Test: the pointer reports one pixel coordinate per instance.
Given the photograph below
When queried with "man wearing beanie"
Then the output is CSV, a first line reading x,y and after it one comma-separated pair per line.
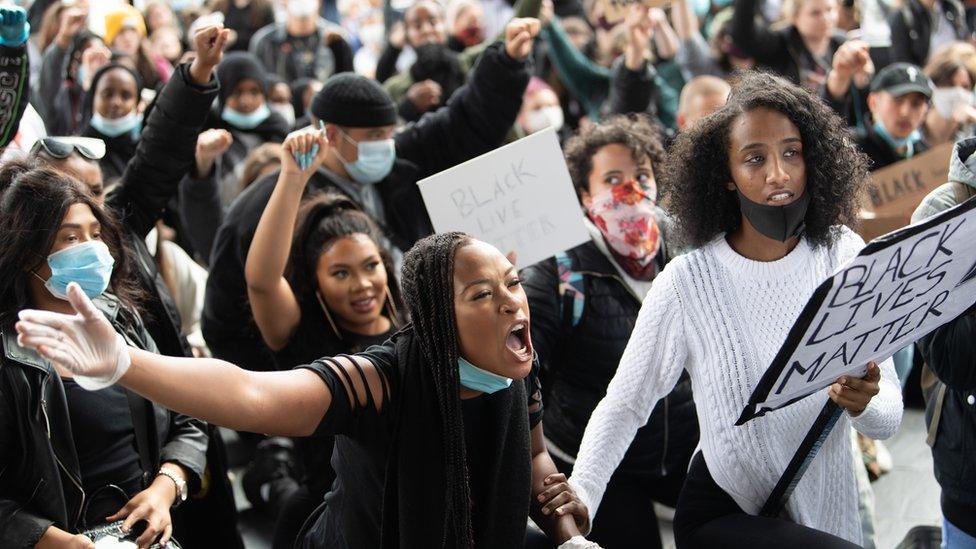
x,y
375,168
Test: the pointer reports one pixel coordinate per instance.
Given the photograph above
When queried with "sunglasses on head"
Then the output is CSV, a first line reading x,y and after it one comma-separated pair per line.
x,y
62,147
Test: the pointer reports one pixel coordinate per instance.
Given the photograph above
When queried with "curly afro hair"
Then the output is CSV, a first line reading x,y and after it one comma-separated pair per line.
x,y
634,131
697,166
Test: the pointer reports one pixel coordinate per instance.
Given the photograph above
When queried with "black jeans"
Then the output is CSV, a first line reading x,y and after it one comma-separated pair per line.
x,y
708,517
626,517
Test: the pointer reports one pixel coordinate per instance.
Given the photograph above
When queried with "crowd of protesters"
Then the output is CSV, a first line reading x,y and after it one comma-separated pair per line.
x,y
215,258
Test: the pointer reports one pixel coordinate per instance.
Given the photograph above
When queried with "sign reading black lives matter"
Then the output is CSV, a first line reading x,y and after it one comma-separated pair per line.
x,y
518,198
899,288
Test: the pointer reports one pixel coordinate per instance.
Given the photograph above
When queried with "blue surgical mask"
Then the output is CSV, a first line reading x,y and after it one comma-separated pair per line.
x,y
375,160
88,264
246,121
908,142
114,127
476,379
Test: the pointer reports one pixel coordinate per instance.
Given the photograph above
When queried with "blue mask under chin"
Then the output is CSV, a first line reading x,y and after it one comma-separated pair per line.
x,y
476,379
246,121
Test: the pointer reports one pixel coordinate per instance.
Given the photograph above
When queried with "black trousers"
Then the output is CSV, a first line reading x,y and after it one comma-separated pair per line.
x,y
626,517
708,517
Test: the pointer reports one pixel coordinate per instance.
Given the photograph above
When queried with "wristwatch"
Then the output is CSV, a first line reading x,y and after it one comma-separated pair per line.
x,y
180,486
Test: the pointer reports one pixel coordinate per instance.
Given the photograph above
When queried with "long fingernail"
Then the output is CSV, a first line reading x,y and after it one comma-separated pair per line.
x,y
315,150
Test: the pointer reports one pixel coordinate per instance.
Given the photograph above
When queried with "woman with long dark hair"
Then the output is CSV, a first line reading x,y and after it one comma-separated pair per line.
x,y
74,459
762,189
440,438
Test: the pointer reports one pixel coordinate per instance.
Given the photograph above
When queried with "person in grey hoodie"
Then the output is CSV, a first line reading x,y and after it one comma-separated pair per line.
x,y
950,352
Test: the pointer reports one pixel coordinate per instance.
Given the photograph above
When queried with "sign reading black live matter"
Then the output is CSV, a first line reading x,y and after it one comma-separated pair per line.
x,y
518,198
899,288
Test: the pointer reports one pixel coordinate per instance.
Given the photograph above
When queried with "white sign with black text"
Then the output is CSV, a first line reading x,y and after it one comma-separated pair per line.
x,y
899,288
519,198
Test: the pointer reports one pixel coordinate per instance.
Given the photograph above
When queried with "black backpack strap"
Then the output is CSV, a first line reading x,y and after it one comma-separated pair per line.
x,y
139,408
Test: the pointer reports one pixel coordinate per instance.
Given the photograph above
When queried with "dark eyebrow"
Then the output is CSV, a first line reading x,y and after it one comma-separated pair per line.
x,y
483,280
760,145
70,226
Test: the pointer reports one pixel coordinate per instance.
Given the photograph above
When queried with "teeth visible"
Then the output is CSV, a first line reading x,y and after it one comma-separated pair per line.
x,y
517,327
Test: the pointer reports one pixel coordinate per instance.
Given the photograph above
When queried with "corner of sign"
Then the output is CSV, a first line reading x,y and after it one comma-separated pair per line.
x,y
747,414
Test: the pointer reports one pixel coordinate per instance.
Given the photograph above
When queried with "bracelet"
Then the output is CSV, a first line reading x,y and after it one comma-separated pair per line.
x,y
180,485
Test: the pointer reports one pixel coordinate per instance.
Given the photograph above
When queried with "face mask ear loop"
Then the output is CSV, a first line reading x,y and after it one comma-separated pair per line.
x,y
394,314
328,315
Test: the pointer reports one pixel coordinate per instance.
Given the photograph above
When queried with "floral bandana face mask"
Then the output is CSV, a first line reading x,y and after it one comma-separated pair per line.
x,y
626,217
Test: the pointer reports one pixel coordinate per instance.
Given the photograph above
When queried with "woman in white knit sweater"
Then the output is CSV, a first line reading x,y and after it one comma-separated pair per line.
x,y
762,189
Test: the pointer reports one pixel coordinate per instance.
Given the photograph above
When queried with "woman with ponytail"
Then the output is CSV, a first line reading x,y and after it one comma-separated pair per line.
x,y
440,438
319,287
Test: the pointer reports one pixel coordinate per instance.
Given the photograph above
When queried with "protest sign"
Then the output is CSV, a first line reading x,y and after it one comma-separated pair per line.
x,y
899,188
615,11
518,198
898,289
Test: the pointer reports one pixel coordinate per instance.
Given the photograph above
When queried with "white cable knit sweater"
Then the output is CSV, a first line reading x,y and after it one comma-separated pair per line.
x,y
723,317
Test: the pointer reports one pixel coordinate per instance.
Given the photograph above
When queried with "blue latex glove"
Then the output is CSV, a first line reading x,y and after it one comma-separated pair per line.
x,y
14,28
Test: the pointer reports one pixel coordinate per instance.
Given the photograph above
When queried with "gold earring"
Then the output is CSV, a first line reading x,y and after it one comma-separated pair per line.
x,y
328,316
392,306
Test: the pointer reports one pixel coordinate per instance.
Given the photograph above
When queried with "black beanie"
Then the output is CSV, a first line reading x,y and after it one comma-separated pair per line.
x,y
348,99
237,66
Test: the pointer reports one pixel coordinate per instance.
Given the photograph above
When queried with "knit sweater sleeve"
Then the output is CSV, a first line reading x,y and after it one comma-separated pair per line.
x,y
882,417
648,369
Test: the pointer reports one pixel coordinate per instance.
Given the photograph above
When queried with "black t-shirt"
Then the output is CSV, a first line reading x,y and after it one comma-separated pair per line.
x,y
104,436
352,517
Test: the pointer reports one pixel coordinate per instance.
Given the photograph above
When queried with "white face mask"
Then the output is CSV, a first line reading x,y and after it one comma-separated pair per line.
x,y
286,110
947,100
302,8
546,117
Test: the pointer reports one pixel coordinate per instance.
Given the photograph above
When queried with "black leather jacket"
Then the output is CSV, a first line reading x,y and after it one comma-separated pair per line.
x,y
40,479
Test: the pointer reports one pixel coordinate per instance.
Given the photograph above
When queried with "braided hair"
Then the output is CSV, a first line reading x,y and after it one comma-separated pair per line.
x,y
428,283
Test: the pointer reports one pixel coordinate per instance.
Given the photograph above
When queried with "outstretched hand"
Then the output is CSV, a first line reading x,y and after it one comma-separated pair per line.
x,y
85,344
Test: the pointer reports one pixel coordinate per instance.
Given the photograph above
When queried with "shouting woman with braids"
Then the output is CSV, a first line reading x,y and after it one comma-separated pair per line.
x,y
440,441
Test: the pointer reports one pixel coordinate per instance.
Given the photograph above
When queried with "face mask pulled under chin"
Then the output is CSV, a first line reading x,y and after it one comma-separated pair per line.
x,y
777,222
476,379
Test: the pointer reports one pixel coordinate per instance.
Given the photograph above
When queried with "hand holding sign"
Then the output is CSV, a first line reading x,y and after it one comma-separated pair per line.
x,y
854,394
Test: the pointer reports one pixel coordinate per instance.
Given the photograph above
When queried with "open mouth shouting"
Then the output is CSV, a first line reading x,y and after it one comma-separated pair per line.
x,y
518,341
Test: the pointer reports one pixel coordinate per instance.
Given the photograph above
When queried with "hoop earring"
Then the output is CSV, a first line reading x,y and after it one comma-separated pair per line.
x,y
328,316
395,315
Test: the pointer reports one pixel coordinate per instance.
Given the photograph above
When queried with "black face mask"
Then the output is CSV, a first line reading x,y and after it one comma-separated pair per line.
x,y
777,222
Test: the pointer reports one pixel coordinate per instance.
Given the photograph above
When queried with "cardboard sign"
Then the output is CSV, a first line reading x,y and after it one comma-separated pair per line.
x,y
898,289
898,189
615,11
518,198
895,191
